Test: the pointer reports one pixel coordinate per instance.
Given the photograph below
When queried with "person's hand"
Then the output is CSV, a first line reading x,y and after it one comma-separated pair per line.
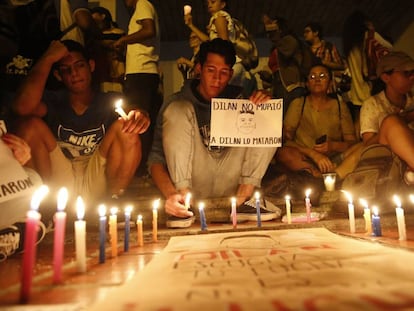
x,y
324,164
119,45
260,96
56,51
18,146
323,148
174,205
137,122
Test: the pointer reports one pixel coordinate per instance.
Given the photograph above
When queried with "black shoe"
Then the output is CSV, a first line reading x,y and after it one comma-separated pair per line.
x,y
268,211
174,222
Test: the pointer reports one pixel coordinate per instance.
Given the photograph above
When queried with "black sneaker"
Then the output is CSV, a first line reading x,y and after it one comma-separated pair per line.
x,y
268,211
174,222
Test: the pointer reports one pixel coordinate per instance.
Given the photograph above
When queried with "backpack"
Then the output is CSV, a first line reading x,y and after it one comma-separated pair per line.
x,y
245,46
378,175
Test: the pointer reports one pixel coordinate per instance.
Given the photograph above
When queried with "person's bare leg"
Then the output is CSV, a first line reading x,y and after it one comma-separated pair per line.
x,y
41,141
350,162
395,133
295,161
123,154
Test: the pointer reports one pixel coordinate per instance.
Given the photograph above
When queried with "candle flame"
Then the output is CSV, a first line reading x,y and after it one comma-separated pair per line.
x,y
257,195
348,196
102,210
287,197
411,196
38,196
396,200
118,104
113,210
128,210
308,192
156,204
363,202
201,205
80,208
233,200
62,198
139,218
375,210
187,9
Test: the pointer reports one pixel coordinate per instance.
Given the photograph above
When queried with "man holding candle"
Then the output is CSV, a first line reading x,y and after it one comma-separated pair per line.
x,y
74,134
193,165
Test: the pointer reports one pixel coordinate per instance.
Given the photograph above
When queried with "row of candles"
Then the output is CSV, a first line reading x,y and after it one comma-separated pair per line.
x,y
372,226
372,218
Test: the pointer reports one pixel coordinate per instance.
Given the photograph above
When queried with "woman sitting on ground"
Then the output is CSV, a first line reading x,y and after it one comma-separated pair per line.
x,y
319,135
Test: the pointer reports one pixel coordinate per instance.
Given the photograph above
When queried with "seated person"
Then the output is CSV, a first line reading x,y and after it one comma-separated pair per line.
x,y
387,117
14,204
181,159
318,131
74,134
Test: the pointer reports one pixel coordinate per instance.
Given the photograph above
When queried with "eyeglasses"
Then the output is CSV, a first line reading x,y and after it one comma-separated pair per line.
x,y
321,76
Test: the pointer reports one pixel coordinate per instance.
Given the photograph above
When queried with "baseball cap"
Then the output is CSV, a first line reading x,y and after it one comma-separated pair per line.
x,y
398,61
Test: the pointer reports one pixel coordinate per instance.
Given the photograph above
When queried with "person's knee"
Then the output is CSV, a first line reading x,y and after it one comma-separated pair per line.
x,y
389,124
32,127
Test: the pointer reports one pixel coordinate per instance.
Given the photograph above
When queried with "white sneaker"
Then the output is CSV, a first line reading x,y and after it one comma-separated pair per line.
x,y
9,242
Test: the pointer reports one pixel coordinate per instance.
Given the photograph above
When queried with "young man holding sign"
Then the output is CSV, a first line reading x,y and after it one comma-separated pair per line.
x,y
182,159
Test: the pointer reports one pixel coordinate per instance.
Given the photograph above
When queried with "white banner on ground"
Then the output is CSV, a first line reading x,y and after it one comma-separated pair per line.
x,y
240,123
299,269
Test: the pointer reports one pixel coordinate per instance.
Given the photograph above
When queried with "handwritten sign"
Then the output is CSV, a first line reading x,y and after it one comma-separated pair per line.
x,y
300,269
240,123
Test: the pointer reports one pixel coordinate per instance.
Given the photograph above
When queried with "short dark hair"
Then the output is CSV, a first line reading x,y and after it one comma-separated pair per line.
x,y
316,27
74,46
218,46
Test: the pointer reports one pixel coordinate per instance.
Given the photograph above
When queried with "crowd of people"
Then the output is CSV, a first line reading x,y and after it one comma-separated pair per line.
x,y
62,127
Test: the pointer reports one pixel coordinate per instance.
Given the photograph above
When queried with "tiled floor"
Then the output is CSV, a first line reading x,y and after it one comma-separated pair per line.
x,y
81,289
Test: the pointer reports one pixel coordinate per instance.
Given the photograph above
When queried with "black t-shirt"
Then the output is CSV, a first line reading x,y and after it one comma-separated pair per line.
x,y
79,135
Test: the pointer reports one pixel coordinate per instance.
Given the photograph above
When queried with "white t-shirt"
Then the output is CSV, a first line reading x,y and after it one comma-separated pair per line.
x,y
143,57
376,108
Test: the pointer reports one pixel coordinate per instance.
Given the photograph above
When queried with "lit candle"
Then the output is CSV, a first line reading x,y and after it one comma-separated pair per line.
x,y
187,9
234,212
128,211
187,201
80,235
376,222
102,232
259,216
351,212
308,204
367,216
402,233
30,239
113,231
120,110
155,206
59,235
329,181
140,232
288,209
203,222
